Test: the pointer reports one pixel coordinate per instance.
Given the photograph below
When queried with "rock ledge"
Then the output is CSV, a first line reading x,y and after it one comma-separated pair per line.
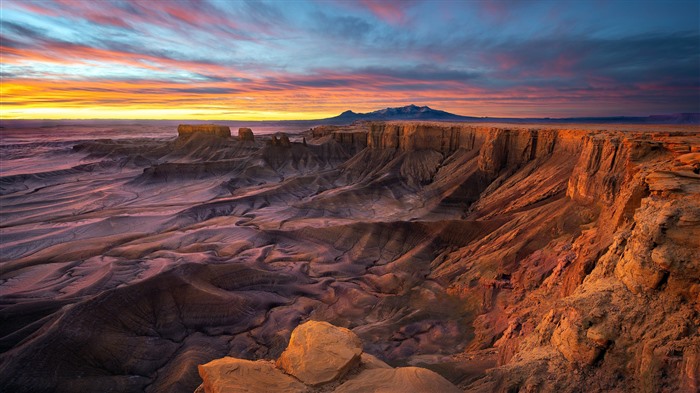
x,y
188,130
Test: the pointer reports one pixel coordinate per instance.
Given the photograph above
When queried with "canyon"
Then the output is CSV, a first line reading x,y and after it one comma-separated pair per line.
x,y
503,257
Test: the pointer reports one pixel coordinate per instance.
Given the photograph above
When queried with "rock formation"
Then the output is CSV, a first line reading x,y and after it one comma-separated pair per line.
x,y
284,140
319,357
354,135
319,352
229,375
245,134
280,139
188,130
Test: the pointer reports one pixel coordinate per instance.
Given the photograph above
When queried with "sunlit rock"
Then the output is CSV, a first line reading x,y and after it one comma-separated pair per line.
x,y
245,134
319,352
188,130
229,375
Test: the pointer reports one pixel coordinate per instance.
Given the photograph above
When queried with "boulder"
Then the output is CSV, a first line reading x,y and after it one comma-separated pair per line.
x,y
325,358
232,375
245,134
371,362
319,352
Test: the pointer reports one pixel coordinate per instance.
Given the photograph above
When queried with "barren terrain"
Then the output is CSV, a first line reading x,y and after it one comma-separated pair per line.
x,y
504,257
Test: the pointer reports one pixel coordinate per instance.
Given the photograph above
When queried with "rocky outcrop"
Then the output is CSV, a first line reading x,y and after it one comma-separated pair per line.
x,y
237,375
245,134
319,352
284,140
280,139
320,357
622,299
188,130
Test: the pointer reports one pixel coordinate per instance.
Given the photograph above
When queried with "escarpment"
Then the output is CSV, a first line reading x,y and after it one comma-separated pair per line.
x,y
503,257
585,222
417,136
189,130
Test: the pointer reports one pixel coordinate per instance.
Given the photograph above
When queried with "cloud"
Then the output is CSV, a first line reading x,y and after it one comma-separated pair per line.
x,y
422,72
577,59
393,12
349,28
325,56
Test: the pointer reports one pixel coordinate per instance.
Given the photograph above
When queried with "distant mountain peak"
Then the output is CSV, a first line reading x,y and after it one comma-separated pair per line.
x,y
407,112
404,109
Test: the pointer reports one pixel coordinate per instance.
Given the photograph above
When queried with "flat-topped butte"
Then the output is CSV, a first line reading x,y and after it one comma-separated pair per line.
x,y
188,130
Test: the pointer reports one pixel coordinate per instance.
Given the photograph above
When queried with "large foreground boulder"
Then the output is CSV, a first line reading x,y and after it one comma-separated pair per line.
x,y
319,352
320,357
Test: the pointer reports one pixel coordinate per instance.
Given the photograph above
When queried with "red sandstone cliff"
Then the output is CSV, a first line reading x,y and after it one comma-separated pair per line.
x,y
591,275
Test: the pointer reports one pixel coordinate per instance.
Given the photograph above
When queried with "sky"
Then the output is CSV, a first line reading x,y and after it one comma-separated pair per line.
x,y
272,60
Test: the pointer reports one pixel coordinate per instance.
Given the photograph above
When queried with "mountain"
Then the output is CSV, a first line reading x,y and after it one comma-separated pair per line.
x,y
414,112
408,112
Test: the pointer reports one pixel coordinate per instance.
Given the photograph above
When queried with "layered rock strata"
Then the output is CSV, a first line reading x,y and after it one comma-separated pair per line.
x,y
556,288
188,130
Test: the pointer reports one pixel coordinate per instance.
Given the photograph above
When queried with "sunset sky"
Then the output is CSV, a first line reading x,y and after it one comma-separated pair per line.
x,y
272,60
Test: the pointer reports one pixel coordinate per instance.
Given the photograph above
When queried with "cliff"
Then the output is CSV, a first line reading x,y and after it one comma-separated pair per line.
x,y
592,264
188,130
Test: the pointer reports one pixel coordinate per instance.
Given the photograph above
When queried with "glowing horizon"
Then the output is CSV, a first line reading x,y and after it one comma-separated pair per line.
x,y
220,60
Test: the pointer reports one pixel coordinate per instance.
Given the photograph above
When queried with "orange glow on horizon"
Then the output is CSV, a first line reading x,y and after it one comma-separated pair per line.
x,y
83,99
306,60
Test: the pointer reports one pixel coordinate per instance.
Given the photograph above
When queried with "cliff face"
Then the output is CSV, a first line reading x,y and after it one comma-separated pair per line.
x,y
600,168
507,148
592,265
418,136
188,130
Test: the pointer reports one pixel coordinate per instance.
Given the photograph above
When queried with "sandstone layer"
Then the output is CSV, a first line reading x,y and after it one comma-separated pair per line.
x,y
503,257
319,352
188,130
